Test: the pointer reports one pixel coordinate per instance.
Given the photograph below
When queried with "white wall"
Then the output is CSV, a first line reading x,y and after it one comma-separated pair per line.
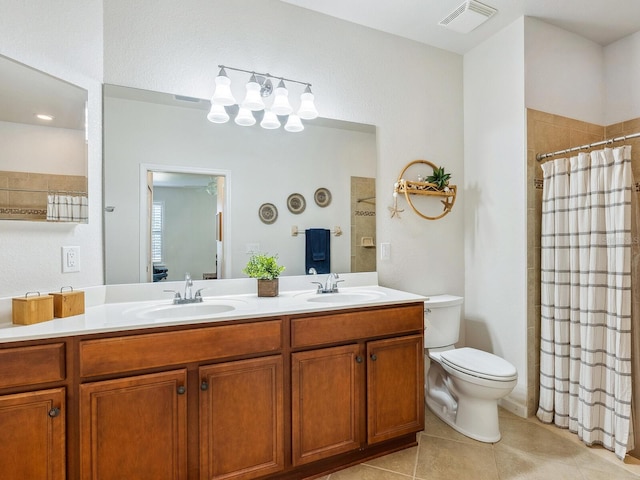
x,y
264,166
564,73
622,74
495,200
411,92
37,149
189,233
63,39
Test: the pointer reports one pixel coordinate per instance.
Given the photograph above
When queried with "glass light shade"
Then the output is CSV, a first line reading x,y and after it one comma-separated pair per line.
x,y
222,95
245,118
270,120
218,114
307,109
294,124
253,99
281,105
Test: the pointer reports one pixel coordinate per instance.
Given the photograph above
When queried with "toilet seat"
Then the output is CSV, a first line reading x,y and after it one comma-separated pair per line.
x,y
478,363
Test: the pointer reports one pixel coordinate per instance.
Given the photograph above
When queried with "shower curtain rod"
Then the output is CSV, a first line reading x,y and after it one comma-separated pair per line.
x,y
542,156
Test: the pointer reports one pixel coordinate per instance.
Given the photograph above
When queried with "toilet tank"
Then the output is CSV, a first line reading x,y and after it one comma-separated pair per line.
x,y
442,320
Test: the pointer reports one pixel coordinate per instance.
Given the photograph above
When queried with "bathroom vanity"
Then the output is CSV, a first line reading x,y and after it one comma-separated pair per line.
x,y
278,388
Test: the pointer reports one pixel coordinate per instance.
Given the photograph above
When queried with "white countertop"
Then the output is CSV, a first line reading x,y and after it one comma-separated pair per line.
x,y
127,307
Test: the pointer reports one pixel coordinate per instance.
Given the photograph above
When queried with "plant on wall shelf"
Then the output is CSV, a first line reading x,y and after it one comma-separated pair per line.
x,y
439,178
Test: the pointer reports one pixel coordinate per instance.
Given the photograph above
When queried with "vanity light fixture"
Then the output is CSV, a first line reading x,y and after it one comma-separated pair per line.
x,y
258,88
222,95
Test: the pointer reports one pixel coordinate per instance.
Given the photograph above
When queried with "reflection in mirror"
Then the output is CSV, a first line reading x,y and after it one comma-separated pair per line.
x,y
149,131
43,146
183,225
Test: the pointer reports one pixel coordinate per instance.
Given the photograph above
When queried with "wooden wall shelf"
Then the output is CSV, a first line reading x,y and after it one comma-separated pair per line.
x,y
409,188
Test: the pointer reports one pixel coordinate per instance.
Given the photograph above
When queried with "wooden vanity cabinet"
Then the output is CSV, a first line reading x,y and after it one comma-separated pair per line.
x,y
349,397
33,419
327,402
242,419
32,435
134,427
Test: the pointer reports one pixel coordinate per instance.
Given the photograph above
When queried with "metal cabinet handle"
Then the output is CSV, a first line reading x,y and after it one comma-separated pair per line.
x,y
359,359
54,412
181,390
374,357
204,386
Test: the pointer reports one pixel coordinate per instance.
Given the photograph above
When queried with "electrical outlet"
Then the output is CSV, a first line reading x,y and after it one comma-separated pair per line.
x,y
70,259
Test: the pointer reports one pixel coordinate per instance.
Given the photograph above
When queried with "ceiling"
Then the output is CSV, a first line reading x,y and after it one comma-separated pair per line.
x,y
602,21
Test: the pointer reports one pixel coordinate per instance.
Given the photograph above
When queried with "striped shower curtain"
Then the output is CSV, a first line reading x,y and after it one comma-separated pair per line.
x,y
585,348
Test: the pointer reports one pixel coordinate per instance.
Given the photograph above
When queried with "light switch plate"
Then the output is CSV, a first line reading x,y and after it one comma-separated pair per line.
x,y
385,251
70,259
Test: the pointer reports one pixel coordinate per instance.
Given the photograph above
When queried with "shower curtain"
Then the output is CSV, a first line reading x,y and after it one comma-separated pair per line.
x,y
67,208
585,348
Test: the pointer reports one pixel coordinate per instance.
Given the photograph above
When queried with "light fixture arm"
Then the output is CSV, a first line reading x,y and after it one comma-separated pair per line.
x,y
266,75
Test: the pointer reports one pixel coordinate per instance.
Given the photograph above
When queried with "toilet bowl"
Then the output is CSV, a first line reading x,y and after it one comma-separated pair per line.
x,y
463,385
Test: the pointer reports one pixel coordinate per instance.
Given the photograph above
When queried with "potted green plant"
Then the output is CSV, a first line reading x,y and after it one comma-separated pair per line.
x,y
439,178
266,270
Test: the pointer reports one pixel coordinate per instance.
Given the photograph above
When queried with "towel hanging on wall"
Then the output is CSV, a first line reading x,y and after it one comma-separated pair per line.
x,y
318,250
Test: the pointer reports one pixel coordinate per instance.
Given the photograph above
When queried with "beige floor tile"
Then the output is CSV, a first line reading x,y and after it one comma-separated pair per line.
x,y
533,438
403,461
514,464
613,473
443,459
364,472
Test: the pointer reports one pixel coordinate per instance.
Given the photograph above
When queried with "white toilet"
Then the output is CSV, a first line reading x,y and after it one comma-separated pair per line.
x,y
463,385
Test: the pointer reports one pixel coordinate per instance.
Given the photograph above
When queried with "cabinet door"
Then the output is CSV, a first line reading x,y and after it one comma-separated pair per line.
x,y
32,435
134,427
242,419
327,390
395,388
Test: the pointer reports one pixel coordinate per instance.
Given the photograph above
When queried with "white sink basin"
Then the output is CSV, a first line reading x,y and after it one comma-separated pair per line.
x,y
344,298
176,312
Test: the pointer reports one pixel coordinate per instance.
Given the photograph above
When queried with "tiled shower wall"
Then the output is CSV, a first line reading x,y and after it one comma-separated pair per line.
x,y
363,224
23,195
549,133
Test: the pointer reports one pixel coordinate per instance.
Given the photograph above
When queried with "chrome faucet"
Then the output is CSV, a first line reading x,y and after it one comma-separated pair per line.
x,y
188,285
189,297
330,285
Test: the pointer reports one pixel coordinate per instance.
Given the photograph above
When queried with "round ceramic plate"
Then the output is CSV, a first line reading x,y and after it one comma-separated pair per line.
x,y
296,203
322,197
268,213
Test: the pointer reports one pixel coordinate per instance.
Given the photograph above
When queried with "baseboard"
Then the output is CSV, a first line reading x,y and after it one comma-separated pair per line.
x,y
514,406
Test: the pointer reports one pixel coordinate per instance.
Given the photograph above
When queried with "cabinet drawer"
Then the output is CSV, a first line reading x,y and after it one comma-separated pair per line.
x,y
137,352
31,365
340,327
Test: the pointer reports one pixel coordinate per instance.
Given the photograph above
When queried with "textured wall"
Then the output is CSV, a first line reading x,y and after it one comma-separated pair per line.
x,y
411,92
64,39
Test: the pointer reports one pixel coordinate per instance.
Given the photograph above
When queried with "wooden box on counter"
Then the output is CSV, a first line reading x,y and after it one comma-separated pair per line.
x,y
32,309
67,303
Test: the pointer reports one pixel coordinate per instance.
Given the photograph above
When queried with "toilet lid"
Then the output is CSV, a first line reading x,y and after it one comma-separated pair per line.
x,y
479,364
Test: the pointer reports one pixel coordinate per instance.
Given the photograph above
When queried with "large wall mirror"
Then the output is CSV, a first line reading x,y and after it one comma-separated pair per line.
x,y
183,194
43,146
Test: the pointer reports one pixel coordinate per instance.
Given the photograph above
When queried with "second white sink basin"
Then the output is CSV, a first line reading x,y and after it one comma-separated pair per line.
x,y
344,298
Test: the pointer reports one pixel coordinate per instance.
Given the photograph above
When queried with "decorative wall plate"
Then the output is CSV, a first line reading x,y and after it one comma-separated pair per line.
x,y
296,203
268,213
322,197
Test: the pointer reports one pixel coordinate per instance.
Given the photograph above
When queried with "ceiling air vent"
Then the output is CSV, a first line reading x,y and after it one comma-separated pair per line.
x,y
468,16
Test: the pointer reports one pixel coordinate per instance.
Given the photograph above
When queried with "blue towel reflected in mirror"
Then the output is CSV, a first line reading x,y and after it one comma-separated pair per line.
x,y
318,250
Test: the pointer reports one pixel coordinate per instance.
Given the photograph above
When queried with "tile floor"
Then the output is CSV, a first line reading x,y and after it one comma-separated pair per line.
x,y
528,450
